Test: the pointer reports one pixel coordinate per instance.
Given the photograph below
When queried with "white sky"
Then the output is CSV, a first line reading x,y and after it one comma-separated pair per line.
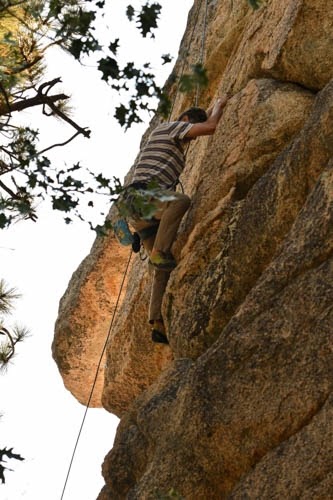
x,y
41,419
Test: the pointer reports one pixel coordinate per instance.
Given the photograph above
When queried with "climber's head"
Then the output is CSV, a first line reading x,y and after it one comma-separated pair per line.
x,y
193,115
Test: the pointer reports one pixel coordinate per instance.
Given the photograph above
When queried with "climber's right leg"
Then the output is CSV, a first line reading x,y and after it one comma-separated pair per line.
x,y
160,280
170,215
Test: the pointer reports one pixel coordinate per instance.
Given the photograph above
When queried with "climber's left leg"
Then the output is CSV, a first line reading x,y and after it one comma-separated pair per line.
x,y
160,280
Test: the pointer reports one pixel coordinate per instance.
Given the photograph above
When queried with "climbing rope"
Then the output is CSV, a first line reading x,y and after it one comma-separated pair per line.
x,y
201,58
203,39
96,376
187,52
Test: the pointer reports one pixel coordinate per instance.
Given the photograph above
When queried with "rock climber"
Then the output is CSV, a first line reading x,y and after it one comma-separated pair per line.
x,y
160,164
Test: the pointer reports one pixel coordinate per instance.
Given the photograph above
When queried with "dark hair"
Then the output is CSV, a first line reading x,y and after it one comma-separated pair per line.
x,y
195,115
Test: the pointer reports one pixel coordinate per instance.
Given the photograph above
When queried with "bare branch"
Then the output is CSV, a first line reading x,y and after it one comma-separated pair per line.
x,y
49,84
33,101
83,131
50,113
19,92
59,144
9,191
50,102
9,153
4,168
55,42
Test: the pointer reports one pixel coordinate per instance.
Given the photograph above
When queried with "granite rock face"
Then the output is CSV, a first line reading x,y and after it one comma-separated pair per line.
x,y
223,423
239,405
85,314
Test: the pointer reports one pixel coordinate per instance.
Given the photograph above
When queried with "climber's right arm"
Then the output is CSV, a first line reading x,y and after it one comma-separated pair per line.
x,y
208,127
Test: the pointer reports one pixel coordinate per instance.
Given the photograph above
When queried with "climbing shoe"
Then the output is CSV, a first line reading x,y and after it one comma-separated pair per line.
x,y
163,261
158,333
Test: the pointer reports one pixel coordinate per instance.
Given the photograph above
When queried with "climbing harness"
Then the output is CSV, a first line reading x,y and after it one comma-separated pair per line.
x,y
127,238
132,200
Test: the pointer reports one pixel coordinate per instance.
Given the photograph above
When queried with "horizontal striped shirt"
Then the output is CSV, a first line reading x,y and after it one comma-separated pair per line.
x,y
162,159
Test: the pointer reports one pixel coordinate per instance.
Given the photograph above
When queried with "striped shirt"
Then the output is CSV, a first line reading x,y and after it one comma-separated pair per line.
x,y
162,159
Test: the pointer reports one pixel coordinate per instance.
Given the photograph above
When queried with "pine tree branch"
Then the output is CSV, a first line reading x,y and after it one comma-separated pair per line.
x,y
32,30
4,92
48,84
12,4
9,153
4,331
33,101
4,168
24,67
50,102
9,454
84,132
54,42
9,191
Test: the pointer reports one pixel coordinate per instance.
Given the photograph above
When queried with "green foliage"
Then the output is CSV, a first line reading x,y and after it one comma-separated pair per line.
x,y
164,105
146,18
197,78
36,180
141,83
102,230
109,67
74,24
26,174
166,58
19,53
30,27
9,455
255,4
138,82
113,47
8,343
9,337
130,12
172,493
70,24
142,202
7,296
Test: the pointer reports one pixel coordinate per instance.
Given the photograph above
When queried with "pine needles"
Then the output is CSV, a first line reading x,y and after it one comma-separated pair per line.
x,y
9,337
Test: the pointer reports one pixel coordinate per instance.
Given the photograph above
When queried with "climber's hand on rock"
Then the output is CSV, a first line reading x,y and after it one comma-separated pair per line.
x,y
223,100
219,104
